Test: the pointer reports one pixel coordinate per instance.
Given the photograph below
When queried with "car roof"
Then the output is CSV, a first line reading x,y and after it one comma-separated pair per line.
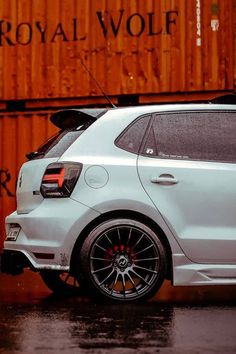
x,y
149,109
177,107
69,118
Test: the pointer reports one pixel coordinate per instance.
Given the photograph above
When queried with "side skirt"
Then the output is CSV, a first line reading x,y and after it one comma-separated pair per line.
x,y
186,272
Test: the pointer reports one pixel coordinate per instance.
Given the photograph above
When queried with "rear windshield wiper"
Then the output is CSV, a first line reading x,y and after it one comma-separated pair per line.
x,y
33,154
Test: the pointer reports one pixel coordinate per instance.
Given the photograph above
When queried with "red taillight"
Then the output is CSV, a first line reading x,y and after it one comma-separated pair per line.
x,y
59,179
55,177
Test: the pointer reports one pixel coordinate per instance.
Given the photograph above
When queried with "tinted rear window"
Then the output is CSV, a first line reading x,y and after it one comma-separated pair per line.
x,y
206,136
59,143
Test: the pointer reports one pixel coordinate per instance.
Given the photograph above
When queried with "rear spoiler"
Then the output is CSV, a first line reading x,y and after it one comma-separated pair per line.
x,y
70,118
225,99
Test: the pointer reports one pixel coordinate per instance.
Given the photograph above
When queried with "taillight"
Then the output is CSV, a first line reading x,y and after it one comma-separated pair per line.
x,y
59,179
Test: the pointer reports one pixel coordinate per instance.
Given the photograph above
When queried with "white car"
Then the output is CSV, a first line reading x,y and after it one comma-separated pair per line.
x,y
124,198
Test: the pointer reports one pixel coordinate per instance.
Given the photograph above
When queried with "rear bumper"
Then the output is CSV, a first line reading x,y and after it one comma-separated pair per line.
x,y
13,262
48,234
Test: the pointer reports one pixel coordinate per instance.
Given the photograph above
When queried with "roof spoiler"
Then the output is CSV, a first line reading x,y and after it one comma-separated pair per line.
x,y
70,118
225,99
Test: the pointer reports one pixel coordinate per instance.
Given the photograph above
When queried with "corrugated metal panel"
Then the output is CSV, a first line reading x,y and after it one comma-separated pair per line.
x,y
19,134
131,47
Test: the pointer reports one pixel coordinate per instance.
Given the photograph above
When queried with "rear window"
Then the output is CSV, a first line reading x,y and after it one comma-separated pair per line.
x,y
58,144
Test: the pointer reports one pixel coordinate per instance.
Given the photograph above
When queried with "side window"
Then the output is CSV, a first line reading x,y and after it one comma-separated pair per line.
x,y
207,136
131,139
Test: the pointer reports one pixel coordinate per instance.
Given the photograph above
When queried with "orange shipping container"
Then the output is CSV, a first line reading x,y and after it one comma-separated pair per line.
x,y
19,134
131,47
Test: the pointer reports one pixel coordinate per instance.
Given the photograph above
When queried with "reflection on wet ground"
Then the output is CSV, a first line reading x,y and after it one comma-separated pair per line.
x,y
75,326
52,326
37,322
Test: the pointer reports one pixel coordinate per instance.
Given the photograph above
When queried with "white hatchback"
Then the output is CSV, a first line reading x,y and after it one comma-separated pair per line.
x,y
121,199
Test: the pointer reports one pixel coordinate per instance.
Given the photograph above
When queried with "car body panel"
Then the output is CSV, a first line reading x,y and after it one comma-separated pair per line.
x,y
28,184
200,207
45,232
187,273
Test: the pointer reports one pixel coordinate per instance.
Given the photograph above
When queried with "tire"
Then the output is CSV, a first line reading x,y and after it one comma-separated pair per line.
x,y
122,260
61,283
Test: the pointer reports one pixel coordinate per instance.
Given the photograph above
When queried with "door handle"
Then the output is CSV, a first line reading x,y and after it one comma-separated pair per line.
x,y
165,180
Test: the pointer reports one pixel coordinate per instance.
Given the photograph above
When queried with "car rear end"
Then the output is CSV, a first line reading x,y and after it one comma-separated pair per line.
x,y
36,232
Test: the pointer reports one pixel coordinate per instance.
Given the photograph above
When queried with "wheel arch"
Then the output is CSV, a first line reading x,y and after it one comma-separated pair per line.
x,y
134,215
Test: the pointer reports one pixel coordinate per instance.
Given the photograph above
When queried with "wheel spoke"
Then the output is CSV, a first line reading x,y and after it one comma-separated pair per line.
x,y
145,259
145,249
67,277
129,237
140,239
115,282
101,259
147,269
118,232
75,281
101,269
139,276
107,277
131,279
123,283
102,248
108,239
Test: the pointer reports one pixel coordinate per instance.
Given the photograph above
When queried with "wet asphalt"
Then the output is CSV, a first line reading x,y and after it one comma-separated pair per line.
x,y
34,321
75,326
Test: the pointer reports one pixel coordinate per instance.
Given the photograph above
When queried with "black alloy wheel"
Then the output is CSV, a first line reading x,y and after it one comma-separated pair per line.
x,y
61,283
123,260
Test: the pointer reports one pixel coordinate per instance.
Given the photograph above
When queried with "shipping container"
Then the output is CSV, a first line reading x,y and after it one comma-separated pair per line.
x,y
19,134
52,49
